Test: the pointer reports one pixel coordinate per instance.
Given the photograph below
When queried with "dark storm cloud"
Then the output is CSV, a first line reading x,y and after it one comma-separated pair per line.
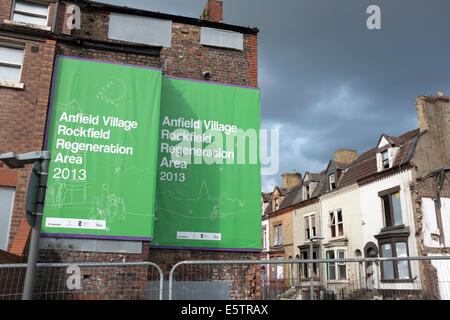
x,y
326,80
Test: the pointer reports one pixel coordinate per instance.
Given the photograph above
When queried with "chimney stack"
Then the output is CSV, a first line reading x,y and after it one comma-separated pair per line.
x,y
290,180
213,11
431,110
345,156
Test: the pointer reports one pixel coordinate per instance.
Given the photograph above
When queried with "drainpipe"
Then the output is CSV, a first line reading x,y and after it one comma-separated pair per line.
x,y
55,17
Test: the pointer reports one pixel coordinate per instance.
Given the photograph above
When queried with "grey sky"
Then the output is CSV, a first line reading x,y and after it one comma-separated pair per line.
x,y
326,80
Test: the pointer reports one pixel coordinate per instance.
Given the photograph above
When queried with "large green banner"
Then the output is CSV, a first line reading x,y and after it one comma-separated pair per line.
x,y
103,136
208,183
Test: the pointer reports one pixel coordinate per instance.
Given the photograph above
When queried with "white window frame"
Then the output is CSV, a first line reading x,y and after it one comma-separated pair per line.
x,y
8,226
11,83
330,183
31,14
334,223
336,265
385,162
277,235
312,227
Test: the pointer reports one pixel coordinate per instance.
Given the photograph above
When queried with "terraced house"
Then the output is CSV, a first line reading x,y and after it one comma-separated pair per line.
x,y
380,203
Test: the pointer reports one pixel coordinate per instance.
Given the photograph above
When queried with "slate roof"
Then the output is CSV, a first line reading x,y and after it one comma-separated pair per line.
x,y
294,196
267,197
366,164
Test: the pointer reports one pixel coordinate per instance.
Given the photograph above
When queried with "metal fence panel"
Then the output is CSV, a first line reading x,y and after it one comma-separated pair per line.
x,y
324,279
85,281
332,279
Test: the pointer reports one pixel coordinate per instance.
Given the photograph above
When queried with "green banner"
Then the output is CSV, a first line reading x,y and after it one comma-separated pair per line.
x,y
208,183
103,136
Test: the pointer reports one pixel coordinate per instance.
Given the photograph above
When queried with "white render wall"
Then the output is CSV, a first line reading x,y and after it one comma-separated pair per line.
x,y
429,222
372,216
347,200
298,225
265,224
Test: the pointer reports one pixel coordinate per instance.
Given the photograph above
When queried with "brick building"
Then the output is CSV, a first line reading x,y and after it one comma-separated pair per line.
x,y
31,37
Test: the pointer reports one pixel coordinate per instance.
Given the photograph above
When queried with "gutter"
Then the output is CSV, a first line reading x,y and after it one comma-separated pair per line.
x,y
158,15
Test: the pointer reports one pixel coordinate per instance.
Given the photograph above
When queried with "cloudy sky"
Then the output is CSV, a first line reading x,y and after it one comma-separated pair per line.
x,y
327,81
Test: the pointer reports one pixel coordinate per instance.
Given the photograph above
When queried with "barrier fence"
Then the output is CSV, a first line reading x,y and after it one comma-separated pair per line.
x,y
298,279
85,281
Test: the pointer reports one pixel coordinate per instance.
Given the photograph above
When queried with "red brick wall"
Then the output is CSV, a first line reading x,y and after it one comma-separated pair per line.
x,y
23,116
214,10
5,9
187,58
6,257
245,280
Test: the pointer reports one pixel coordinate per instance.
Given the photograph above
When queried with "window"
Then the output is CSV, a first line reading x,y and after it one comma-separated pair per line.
x,y
134,28
391,205
342,274
307,192
277,235
333,273
310,226
264,238
30,12
6,207
305,267
332,181
336,224
11,57
276,270
395,270
331,267
277,205
385,159
221,38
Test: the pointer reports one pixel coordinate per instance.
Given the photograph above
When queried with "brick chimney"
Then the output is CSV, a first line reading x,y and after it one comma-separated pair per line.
x,y
431,109
345,156
290,180
433,114
213,11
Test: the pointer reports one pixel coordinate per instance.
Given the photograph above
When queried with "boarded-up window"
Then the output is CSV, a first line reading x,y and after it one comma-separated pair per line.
x,y
10,63
6,206
30,12
222,38
131,28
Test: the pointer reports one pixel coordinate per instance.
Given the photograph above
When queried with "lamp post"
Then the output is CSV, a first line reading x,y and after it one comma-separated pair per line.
x,y
311,281
37,185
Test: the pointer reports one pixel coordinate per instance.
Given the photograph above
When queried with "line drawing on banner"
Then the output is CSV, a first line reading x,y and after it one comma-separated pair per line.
x,y
216,204
108,206
108,91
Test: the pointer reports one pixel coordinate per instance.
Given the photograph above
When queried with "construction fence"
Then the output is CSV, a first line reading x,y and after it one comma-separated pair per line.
x,y
422,278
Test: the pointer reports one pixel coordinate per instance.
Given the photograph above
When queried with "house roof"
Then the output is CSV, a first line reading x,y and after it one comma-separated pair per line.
x,y
293,197
267,197
366,164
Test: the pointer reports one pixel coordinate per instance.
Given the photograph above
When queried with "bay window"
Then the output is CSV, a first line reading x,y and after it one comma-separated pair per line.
x,y
394,270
